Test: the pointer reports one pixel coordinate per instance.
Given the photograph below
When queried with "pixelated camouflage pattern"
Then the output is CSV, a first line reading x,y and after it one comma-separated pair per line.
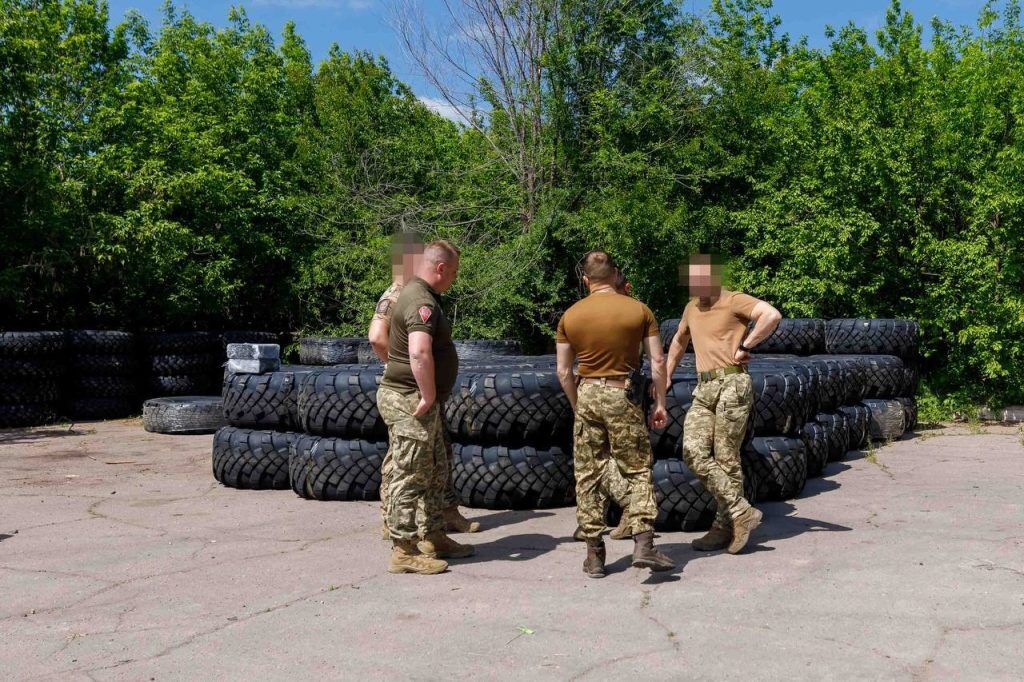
x,y
610,430
712,437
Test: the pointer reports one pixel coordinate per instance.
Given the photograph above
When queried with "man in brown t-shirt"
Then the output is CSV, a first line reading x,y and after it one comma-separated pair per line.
x,y
716,422
604,332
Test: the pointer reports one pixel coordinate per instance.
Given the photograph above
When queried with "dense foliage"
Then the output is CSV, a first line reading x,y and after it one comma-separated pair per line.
x,y
193,176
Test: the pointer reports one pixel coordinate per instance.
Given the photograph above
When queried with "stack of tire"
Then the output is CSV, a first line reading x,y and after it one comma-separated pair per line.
x,y
328,351
821,389
102,374
31,377
181,363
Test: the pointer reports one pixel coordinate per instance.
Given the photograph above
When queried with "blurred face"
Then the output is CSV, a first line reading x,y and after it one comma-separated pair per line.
x,y
410,260
447,272
705,278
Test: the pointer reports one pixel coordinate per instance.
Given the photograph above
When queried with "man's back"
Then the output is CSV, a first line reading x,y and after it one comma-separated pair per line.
x,y
605,330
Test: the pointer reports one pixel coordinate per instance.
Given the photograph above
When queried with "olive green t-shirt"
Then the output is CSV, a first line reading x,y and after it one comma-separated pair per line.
x,y
418,309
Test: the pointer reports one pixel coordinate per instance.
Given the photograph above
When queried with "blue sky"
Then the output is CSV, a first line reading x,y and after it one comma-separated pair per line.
x,y
364,24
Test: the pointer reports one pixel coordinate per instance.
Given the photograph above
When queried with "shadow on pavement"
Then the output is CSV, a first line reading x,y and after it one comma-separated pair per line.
x,y
507,518
512,548
33,434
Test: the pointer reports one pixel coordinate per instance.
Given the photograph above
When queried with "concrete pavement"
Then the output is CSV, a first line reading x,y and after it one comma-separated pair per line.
x,y
122,558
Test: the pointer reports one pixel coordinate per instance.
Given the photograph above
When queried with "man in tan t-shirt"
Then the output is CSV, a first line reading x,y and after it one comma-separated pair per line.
x,y
604,331
716,422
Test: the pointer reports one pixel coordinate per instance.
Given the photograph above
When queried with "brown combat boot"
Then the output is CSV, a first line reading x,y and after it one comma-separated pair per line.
x,y
621,531
455,522
437,545
742,526
406,558
645,555
593,566
716,538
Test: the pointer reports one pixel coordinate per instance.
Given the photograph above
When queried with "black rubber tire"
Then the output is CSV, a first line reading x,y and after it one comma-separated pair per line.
x,y
246,336
102,387
30,344
181,343
29,392
833,380
102,408
778,464
267,401
668,442
336,469
100,342
195,384
816,442
325,350
809,377
341,403
887,419
509,408
797,335
484,349
884,376
365,354
252,460
854,378
683,502
909,413
183,365
498,477
858,421
30,369
837,433
872,336
667,330
780,401
192,414
26,414
120,365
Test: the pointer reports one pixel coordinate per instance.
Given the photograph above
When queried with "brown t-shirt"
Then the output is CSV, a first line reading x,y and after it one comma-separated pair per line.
x,y
418,309
717,329
605,330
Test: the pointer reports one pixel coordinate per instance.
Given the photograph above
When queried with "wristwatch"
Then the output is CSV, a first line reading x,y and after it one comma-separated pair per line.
x,y
744,348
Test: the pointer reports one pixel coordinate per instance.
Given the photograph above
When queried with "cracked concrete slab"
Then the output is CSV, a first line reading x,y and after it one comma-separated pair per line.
x,y
121,558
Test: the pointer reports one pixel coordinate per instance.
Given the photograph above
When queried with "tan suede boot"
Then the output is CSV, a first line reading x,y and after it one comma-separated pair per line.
x,y
621,531
593,565
406,558
439,546
455,522
742,526
716,538
645,555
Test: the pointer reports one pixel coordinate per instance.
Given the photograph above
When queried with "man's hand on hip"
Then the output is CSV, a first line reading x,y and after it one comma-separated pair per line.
x,y
422,407
741,356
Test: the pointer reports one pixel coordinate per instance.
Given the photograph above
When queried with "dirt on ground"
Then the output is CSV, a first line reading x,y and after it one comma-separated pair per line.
x,y
122,558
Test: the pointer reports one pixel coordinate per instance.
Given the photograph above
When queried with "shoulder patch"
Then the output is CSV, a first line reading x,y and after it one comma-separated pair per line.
x,y
425,312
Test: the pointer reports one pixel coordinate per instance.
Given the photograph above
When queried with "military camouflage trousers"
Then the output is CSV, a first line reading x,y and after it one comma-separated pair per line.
x,y
609,428
712,437
418,466
450,498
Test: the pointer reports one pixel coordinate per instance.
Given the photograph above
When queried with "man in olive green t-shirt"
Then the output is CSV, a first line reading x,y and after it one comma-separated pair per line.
x,y
421,370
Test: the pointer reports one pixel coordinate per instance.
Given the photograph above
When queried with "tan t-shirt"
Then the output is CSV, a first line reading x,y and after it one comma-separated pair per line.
x,y
605,330
718,329
387,302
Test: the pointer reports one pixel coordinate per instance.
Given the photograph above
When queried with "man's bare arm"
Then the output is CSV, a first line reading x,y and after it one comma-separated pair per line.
x,y
421,358
766,318
565,356
659,376
378,335
677,348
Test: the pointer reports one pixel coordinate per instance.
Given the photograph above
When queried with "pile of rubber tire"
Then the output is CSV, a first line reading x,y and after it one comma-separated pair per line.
x,y
316,429
32,368
102,374
822,388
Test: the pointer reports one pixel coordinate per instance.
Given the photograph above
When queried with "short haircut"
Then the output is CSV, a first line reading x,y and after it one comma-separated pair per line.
x,y
441,251
598,266
621,281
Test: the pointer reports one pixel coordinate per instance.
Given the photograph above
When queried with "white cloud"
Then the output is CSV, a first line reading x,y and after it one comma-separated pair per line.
x,y
439,106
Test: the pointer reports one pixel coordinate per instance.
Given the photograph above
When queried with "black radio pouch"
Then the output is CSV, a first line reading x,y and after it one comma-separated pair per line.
x,y
638,389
